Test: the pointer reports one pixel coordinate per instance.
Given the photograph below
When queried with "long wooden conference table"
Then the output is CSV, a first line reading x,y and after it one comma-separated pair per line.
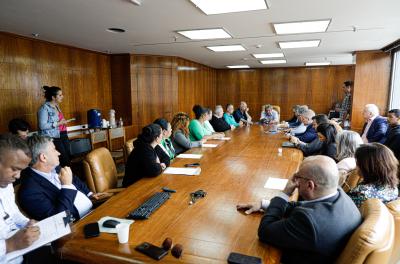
x,y
211,228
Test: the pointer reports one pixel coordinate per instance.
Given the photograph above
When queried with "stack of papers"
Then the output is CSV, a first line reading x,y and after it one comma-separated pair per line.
x,y
190,156
209,145
276,183
223,138
183,171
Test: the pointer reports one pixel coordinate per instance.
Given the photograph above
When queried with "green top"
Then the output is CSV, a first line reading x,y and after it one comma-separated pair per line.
x,y
196,130
167,144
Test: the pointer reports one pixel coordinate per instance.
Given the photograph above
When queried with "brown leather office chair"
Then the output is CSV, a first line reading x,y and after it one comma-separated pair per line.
x,y
351,180
394,209
372,242
128,147
100,171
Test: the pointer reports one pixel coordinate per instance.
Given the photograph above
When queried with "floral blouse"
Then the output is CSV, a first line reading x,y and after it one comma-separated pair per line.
x,y
363,192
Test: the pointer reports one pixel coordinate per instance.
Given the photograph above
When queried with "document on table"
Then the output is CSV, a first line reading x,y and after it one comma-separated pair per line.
x,y
209,145
51,229
223,138
276,183
190,156
183,171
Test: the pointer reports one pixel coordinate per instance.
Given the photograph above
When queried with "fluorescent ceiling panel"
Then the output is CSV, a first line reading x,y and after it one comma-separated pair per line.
x,y
299,44
301,27
238,66
212,7
273,61
226,48
213,33
325,63
268,55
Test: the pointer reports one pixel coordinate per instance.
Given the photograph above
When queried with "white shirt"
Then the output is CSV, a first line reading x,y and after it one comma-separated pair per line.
x,y
346,165
11,219
265,203
364,135
298,130
82,203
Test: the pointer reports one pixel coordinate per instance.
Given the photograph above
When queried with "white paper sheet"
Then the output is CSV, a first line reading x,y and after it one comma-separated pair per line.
x,y
190,156
276,183
112,230
51,229
223,138
183,171
209,145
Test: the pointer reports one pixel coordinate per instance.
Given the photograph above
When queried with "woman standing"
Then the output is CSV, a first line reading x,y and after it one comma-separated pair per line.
x,y
52,122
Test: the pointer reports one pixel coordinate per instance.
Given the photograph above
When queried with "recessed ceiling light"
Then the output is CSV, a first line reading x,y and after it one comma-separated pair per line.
x,y
212,7
226,48
268,55
325,63
186,68
116,30
301,27
238,66
213,33
273,61
299,44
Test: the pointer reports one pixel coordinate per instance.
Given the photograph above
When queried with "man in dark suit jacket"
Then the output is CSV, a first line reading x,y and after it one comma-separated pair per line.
x,y
310,134
375,126
218,122
393,133
316,229
46,189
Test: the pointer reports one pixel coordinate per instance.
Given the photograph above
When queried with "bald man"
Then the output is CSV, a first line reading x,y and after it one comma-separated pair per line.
x,y
316,229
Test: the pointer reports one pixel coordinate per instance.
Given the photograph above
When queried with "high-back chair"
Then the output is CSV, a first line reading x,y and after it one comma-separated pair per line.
x,y
351,180
99,139
372,241
394,209
128,147
100,171
116,142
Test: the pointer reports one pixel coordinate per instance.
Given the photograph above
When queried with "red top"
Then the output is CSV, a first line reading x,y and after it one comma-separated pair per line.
x,y
62,128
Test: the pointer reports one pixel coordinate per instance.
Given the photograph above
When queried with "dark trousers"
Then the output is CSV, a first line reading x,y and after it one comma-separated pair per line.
x,y
62,146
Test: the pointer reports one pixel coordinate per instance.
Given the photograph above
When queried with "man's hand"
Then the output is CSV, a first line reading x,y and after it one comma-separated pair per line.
x,y
163,166
250,208
290,187
23,238
240,123
233,127
65,176
294,140
100,196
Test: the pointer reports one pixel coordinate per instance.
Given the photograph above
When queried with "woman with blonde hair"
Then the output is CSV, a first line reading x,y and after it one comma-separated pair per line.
x,y
180,133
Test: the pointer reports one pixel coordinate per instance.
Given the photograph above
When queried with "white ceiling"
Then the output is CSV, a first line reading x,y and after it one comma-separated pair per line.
x,y
150,28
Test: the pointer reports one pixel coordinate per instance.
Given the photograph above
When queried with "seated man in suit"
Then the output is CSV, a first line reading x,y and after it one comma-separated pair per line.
x,y
375,126
218,122
309,134
46,191
317,228
242,113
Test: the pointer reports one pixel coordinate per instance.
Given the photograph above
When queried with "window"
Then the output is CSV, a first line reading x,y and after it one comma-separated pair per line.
x,y
394,102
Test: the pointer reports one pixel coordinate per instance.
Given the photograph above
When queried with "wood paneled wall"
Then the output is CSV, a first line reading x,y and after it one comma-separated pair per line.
x,y
26,65
318,87
371,84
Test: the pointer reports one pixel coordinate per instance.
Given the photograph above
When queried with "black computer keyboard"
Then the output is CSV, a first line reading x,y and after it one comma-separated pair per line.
x,y
148,207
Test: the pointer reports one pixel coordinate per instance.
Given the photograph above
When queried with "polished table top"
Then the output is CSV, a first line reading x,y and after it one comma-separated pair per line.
x,y
210,229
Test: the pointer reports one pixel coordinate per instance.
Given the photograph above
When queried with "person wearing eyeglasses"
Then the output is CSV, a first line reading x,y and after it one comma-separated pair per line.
x,y
315,229
16,231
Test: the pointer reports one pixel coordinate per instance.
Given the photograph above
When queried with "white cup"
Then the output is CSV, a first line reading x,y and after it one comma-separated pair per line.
x,y
279,150
123,232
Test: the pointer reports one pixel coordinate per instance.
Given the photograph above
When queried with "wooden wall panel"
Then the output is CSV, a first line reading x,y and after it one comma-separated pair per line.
x,y
26,65
196,85
371,84
317,87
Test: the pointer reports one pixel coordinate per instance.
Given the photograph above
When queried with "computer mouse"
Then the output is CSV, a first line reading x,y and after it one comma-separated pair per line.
x,y
110,223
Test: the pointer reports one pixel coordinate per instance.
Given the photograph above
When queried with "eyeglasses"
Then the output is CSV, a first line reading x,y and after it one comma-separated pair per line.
x,y
296,176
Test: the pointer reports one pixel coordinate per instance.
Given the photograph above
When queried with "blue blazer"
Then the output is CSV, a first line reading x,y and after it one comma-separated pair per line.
x,y
307,136
39,198
377,130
